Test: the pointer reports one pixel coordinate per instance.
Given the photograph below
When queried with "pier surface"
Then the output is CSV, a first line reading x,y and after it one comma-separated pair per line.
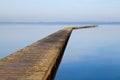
x,y
38,61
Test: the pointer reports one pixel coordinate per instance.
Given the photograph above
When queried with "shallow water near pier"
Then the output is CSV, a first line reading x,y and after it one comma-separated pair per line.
x,y
91,54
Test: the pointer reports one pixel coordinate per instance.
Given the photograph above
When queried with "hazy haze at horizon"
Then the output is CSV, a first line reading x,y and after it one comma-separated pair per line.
x,y
60,10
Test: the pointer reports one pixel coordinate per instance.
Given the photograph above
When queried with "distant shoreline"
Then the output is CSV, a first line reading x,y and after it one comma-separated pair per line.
x,y
59,22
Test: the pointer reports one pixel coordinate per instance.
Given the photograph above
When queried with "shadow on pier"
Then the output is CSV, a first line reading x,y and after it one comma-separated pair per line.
x,y
38,61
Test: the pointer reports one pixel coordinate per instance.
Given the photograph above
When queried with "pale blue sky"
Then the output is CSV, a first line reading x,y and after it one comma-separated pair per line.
x,y
60,10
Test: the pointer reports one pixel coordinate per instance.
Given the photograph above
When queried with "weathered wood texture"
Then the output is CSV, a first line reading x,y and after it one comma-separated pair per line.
x,y
38,61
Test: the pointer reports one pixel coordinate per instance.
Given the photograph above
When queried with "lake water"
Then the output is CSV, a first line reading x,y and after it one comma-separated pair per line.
x,y
91,54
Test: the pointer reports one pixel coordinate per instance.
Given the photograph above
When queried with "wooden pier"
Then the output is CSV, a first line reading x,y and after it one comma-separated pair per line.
x,y
38,61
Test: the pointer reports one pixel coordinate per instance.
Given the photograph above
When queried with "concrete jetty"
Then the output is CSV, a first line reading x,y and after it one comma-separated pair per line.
x,y
38,61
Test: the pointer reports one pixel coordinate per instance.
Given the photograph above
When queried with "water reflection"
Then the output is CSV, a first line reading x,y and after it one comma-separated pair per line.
x,y
92,54
16,36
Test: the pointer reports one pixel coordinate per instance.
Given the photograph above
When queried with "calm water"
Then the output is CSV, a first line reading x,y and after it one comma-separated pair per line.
x,y
91,54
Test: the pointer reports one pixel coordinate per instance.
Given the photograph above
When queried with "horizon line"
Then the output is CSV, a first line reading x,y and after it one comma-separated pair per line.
x,y
59,21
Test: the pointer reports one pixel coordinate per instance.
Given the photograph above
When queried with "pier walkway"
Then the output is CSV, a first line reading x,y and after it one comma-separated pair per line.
x,y
38,61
